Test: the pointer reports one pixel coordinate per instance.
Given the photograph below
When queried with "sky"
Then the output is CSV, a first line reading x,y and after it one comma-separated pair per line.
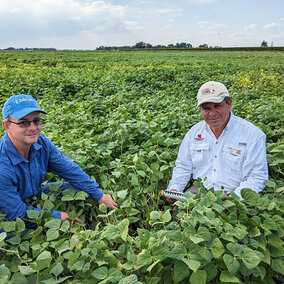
x,y
88,24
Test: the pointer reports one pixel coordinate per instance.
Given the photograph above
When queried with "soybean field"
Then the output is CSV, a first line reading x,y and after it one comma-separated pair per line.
x,y
121,116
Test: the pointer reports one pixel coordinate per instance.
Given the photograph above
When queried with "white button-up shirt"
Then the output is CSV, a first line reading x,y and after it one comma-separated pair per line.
x,y
236,160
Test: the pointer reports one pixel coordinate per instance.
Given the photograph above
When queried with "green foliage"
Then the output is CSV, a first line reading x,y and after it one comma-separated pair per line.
x,y
121,116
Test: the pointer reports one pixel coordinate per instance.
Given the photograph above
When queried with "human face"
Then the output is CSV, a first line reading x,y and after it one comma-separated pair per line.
x,y
216,115
23,137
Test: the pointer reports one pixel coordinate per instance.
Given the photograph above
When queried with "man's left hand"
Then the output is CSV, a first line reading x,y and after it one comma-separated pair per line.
x,y
108,201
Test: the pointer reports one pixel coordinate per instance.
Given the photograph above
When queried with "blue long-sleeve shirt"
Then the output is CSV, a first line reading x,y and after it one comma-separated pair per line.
x,y
21,178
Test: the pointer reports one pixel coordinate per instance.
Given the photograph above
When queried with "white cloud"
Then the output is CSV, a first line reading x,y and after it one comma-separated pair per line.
x,y
58,18
238,36
132,26
272,26
250,27
201,1
66,9
166,11
210,26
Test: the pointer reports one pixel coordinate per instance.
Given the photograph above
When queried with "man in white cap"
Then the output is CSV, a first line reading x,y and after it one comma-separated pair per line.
x,y
225,151
25,157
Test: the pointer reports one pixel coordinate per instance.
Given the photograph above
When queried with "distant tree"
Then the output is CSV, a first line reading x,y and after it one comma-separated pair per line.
x,y
170,45
264,43
160,46
182,44
140,44
205,45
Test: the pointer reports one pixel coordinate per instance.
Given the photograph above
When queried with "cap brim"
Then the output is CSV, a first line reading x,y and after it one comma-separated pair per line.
x,y
211,100
26,111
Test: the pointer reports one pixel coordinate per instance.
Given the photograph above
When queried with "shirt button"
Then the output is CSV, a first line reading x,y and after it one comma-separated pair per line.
x,y
213,183
216,142
214,170
215,156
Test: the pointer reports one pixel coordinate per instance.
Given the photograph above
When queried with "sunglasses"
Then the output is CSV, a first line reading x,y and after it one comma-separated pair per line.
x,y
26,123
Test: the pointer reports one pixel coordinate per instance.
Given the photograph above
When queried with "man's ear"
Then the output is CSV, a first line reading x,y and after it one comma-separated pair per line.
x,y
5,125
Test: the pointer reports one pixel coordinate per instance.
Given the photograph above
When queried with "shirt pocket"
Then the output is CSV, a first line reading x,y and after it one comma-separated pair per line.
x,y
198,153
234,156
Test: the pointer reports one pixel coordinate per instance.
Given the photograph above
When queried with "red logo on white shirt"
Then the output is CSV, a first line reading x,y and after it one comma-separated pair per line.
x,y
199,138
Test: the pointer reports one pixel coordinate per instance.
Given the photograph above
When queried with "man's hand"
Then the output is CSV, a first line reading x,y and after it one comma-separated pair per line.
x,y
171,201
224,197
108,201
65,216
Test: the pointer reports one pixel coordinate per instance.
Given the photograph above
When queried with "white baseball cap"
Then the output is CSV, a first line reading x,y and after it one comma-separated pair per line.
x,y
212,92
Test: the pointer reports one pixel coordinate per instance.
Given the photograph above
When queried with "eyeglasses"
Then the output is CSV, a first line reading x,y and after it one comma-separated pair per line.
x,y
26,123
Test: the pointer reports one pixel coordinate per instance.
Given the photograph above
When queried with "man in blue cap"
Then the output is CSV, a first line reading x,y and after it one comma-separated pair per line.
x,y
25,157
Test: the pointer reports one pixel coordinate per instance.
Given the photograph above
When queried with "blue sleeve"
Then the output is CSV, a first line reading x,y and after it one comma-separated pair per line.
x,y
11,203
62,166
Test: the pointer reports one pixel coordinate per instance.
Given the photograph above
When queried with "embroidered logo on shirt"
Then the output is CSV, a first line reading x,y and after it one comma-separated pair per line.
x,y
199,138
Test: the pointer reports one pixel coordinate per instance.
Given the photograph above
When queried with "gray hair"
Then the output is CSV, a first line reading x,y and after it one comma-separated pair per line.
x,y
227,99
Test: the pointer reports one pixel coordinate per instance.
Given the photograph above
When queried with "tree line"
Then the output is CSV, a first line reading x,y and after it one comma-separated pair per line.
x,y
142,44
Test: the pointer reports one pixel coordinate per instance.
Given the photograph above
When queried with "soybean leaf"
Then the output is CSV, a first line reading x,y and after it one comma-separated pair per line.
x,y
217,248
100,273
9,226
115,275
278,266
52,234
53,223
20,225
232,264
123,229
42,261
143,259
198,277
249,196
32,214
5,271
26,270
81,195
122,193
131,279
227,277
166,217
192,264
68,195
178,251
250,258
73,258
3,235
180,271
57,269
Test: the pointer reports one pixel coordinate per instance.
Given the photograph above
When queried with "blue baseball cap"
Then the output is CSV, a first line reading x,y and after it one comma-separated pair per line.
x,y
19,106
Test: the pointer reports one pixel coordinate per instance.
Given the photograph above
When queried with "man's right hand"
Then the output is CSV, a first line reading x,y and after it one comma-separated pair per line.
x,y
171,201
108,201
65,216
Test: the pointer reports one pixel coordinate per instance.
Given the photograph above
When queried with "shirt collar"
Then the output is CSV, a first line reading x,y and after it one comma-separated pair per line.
x,y
13,154
230,123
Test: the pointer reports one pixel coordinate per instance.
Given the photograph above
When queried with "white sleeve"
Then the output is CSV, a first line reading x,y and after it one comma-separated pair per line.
x,y
255,169
183,166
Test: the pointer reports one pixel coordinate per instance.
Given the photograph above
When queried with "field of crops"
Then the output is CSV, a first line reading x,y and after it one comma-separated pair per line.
x,y
121,116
